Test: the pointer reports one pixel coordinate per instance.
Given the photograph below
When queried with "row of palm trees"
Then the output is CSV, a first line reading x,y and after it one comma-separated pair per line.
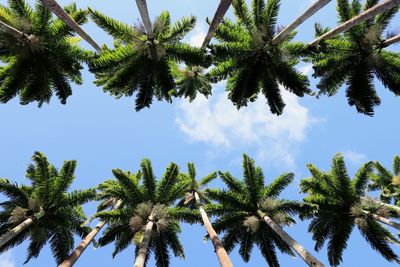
x,y
138,208
41,54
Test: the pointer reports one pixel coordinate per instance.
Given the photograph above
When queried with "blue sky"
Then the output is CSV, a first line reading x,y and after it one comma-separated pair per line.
x,y
103,133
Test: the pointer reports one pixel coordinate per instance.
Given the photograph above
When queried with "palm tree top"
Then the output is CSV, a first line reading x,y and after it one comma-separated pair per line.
x,y
194,186
355,56
62,213
44,58
388,182
342,205
242,206
143,195
142,65
250,60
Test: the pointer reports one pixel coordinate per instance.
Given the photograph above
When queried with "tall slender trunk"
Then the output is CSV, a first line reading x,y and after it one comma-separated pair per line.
x,y
386,221
314,8
396,208
144,245
19,228
301,251
144,14
78,251
218,16
383,220
393,207
4,27
60,12
223,257
391,40
367,14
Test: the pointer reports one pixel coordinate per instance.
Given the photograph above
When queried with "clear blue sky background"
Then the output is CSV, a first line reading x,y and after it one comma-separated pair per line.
x,y
103,133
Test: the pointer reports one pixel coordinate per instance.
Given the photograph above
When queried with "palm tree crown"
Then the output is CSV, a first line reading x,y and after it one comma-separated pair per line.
x,y
251,62
387,182
145,199
45,58
341,207
61,214
356,56
239,210
142,64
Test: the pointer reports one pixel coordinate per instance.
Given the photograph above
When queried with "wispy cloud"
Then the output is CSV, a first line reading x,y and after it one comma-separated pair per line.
x,y
218,123
197,35
6,260
354,157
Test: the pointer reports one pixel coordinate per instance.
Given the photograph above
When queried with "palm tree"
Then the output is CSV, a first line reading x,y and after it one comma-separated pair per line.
x,y
195,198
41,56
247,57
373,9
67,19
218,16
387,182
356,57
314,8
43,211
250,213
147,215
342,206
89,238
192,79
143,63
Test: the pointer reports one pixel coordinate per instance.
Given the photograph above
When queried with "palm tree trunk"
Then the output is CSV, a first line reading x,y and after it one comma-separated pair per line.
x,y
144,14
393,207
303,17
143,247
78,251
4,27
218,16
223,257
301,251
386,221
19,228
391,41
60,12
369,13
383,220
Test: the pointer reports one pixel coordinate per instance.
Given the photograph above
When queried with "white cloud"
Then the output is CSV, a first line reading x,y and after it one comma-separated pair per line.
x,y
6,260
354,157
217,122
198,34
306,69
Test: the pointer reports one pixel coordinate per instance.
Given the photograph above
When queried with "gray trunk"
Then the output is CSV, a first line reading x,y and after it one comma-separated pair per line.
x,y
60,12
392,40
393,207
144,13
78,251
4,27
223,257
301,251
218,16
19,228
144,245
303,17
383,220
369,13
